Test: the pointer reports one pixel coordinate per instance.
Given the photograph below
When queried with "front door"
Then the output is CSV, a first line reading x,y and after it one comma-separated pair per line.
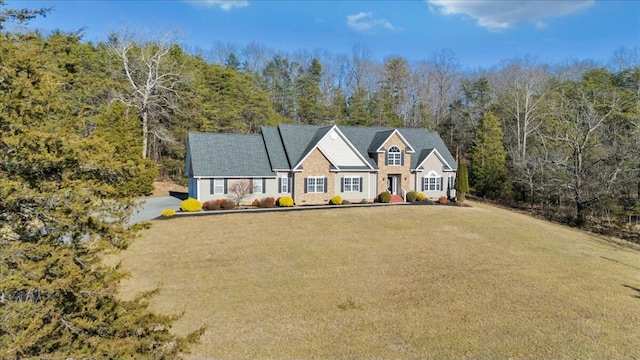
x,y
392,184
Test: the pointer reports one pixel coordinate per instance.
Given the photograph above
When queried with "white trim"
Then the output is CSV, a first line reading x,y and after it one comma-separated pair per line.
x,y
346,140
395,131
311,152
442,160
351,184
433,175
315,185
397,154
281,182
213,187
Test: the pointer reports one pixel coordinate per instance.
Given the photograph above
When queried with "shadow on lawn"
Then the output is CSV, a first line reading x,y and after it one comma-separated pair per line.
x,y
633,288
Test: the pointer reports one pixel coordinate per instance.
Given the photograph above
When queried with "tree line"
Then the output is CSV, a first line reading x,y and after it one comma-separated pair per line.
x,y
86,128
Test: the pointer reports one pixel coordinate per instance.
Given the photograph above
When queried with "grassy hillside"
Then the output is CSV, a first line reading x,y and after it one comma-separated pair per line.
x,y
391,282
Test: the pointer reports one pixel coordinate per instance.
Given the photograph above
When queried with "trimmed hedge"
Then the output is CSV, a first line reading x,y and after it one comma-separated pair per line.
x,y
267,202
412,196
336,200
421,196
191,205
168,212
285,201
384,197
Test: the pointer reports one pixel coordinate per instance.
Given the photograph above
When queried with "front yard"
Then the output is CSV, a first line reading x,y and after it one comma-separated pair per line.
x,y
391,282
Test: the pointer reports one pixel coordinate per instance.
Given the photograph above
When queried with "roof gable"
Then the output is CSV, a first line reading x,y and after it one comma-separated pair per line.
x,y
427,153
337,148
382,137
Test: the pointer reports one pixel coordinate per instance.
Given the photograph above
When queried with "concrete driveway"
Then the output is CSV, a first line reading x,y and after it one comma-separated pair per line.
x,y
150,208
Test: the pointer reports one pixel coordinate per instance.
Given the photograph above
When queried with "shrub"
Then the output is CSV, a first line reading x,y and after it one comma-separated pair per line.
x,y
285,201
211,205
267,202
384,197
336,200
412,196
443,200
227,204
346,202
421,196
168,212
191,205
255,202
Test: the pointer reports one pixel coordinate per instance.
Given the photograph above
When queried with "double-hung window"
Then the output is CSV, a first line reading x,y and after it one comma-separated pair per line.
x,y
257,186
315,184
351,184
284,184
394,156
217,186
432,182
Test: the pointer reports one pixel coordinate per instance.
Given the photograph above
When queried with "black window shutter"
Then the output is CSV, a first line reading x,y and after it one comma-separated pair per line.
x,y
402,157
325,185
423,179
305,185
342,184
264,185
225,186
290,180
361,186
386,157
440,183
280,184
211,186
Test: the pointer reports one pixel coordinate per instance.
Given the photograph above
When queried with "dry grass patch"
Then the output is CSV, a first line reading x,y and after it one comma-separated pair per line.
x,y
391,282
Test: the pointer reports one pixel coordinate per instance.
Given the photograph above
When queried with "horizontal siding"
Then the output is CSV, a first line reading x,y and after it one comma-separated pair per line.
x,y
339,151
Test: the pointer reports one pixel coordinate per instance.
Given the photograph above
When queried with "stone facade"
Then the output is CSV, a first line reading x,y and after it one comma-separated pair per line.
x,y
316,164
404,171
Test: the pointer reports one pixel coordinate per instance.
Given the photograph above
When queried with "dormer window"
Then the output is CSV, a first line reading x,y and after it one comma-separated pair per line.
x,y
394,156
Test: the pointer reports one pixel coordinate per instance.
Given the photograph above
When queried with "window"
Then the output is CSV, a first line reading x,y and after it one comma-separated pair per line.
x,y
315,184
432,182
257,186
394,156
350,184
284,184
450,182
217,186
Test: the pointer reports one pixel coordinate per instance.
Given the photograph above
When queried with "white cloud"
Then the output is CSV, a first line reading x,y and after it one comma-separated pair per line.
x,y
502,15
366,22
223,4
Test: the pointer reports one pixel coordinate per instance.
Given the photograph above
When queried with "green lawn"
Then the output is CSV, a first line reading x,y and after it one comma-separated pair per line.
x,y
391,282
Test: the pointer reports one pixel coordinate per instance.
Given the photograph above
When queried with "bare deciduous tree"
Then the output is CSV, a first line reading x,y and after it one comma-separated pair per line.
x,y
152,82
240,189
580,161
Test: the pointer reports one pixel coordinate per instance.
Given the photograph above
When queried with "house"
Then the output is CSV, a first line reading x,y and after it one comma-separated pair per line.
x,y
313,163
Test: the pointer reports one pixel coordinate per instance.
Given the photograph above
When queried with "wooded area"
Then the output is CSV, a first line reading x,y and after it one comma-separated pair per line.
x,y
86,127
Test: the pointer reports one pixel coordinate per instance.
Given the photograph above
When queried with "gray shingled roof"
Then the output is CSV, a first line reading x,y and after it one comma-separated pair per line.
x,y
275,148
378,139
423,139
363,139
284,146
229,155
296,138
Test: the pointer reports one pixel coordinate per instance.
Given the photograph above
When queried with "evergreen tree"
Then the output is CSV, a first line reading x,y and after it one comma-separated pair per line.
x,y
310,103
488,158
65,200
462,182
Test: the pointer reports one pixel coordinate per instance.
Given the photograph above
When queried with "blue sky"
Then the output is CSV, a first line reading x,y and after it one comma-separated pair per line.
x,y
480,33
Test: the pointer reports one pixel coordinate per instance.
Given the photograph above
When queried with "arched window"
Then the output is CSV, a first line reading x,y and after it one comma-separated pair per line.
x,y
394,156
432,182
